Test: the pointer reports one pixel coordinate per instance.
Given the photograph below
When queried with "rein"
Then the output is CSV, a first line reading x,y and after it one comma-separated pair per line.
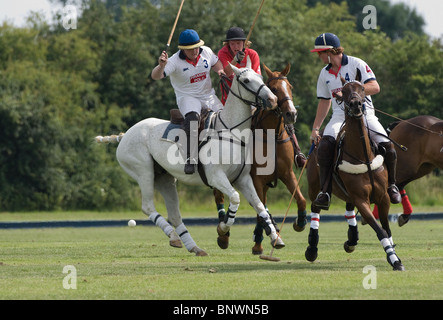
x,y
367,162
440,134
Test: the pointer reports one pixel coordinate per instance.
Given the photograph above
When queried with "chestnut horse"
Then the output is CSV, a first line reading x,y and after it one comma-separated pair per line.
x,y
283,155
359,177
423,137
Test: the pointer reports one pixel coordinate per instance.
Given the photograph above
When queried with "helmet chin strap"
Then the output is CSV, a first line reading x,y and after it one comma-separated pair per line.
x,y
329,58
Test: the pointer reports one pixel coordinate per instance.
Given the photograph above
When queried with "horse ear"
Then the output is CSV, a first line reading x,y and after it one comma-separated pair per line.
x,y
343,81
234,69
358,76
268,71
286,70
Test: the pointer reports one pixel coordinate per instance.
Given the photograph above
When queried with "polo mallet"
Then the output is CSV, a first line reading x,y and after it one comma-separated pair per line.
x,y
253,24
270,257
173,27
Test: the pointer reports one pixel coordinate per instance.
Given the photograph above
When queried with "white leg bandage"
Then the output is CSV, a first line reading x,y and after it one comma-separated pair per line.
x,y
315,220
161,222
389,249
185,237
231,214
350,217
265,215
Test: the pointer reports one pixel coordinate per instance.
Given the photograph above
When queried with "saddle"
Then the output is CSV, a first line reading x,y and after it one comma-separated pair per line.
x,y
177,118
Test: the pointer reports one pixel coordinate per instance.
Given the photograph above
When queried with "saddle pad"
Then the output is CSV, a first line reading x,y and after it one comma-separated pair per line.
x,y
171,126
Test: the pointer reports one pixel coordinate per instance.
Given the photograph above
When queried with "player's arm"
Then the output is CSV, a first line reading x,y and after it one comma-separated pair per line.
x,y
218,67
322,111
158,72
371,87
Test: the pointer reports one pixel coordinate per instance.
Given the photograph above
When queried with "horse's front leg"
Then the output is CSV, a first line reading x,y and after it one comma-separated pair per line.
x,y
382,235
246,187
218,180
292,184
311,252
352,241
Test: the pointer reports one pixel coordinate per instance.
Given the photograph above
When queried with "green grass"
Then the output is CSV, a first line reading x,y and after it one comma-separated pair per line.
x,y
138,263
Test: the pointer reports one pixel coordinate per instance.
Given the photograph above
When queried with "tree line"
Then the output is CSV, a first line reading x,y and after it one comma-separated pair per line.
x,y
60,88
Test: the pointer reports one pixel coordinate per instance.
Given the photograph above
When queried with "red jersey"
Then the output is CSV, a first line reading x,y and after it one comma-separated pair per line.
x,y
225,56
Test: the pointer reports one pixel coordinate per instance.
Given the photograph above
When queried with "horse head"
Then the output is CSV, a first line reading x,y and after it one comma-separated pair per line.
x,y
251,88
353,97
280,86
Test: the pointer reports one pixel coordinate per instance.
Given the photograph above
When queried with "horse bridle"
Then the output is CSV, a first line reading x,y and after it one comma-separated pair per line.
x,y
359,97
284,99
258,103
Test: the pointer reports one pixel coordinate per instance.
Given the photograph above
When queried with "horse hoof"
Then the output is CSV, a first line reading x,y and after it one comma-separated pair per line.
x,y
223,238
199,252
176,243
223,242
348,248
277,243
398,266
299,227
257,249
403,219
311,253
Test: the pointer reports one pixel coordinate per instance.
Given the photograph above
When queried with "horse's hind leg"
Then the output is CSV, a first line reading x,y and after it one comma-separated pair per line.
x,y
292,184
165,184
407,208
141,169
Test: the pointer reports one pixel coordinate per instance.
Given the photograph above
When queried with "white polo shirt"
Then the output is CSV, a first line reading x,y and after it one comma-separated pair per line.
x,y
329,84
192,80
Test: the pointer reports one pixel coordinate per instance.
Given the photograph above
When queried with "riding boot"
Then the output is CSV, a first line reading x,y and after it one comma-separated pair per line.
x,y
391,163
325,157
299,158
191,129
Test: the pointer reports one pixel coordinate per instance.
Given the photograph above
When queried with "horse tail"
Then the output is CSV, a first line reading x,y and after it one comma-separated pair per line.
x,y
109,139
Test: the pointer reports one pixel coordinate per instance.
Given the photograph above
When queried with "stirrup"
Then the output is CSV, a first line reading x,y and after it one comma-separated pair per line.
x,y
190,166
300,159
322,205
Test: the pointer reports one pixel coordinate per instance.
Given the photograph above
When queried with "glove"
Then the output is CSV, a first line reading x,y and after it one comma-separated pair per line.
x,y
239,56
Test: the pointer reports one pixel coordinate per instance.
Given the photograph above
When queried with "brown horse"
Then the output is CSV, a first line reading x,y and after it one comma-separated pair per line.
x,y
423,137
283,155
360,177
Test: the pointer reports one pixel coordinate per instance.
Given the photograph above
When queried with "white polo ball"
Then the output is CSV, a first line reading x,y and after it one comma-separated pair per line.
x,y
132,223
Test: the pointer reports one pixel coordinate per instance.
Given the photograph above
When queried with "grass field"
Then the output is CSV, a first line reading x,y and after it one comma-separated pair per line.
x,y
138,263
